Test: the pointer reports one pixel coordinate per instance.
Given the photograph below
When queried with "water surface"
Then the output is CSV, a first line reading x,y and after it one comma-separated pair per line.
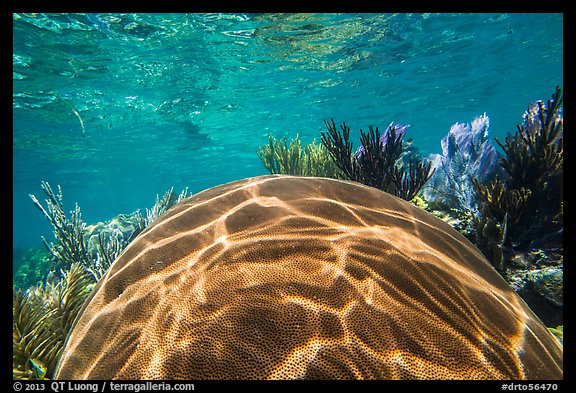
x,y
117,108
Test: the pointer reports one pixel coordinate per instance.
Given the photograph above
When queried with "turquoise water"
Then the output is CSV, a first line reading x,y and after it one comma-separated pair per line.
x,y
117,108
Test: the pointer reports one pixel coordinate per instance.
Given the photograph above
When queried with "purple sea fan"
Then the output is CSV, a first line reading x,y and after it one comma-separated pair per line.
x,y
467,153
400,131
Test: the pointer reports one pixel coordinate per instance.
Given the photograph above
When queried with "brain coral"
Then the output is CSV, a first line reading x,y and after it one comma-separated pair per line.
x,y
280,277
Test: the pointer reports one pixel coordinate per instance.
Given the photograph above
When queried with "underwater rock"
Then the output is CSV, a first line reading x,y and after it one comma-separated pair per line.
x,y
542,289
548,283
537,276
284,277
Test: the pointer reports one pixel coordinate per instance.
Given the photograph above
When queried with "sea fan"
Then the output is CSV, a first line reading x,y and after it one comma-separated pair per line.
x,y
467,154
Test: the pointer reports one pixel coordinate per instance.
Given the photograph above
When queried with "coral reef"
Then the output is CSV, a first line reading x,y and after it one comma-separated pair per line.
x,y
377,162
528,197
43,316
520,222
44,313
510,205
348,272
30,266
537,276
290,158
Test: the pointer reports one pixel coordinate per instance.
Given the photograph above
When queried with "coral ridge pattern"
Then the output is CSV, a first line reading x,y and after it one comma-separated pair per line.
x,y
283,277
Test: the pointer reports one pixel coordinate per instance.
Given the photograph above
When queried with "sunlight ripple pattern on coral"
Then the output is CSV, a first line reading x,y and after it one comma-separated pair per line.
x,y
281,277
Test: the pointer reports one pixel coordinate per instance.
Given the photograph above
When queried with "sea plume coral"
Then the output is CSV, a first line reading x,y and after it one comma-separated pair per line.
x,y
281,156
42,317
377,162
162,205
530,191
44,314
70,245
534,154
95,246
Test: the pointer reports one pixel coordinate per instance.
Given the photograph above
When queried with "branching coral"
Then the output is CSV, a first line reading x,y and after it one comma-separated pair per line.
x,y
500,201
527,202
281,156
534,154
42,318
501,209
70,246
377,162
534,160
318,163
162,205
44,314
340,148
290,158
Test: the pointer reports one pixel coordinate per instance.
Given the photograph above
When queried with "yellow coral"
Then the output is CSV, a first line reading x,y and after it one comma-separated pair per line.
x,y
42,318
419,201
281,156
558,332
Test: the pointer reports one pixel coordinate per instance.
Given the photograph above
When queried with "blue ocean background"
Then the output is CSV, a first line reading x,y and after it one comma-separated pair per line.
x,y
119,108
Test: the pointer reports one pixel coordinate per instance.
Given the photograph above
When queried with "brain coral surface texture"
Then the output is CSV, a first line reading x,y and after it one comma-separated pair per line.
x,y
281,277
